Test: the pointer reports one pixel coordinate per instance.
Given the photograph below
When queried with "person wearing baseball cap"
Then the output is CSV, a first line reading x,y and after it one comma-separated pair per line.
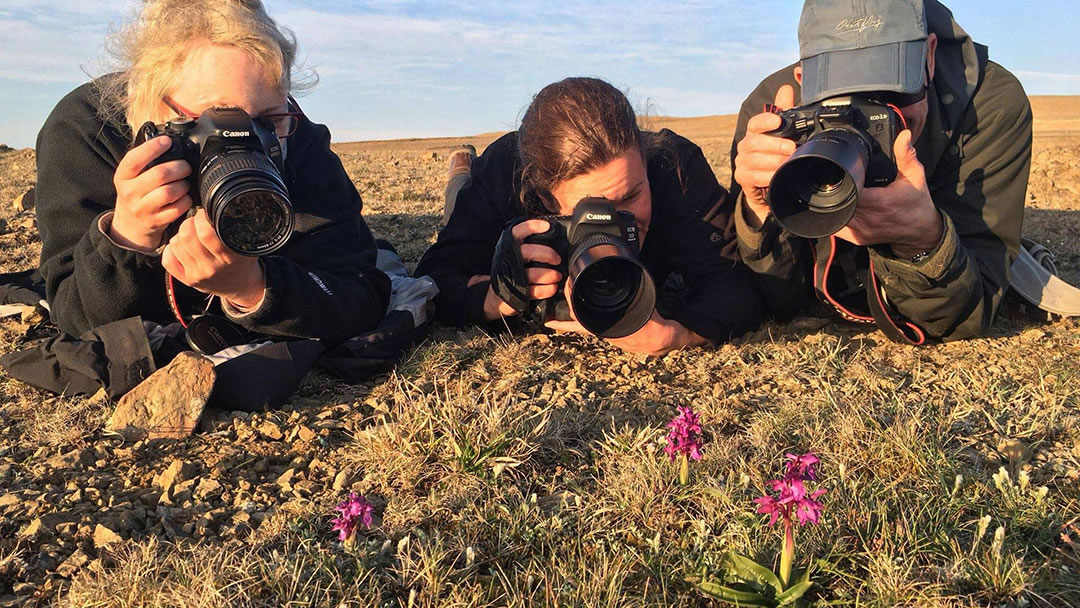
x,y
927,257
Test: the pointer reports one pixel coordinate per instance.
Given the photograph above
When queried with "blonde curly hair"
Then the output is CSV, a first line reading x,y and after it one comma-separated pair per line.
x,y
153,49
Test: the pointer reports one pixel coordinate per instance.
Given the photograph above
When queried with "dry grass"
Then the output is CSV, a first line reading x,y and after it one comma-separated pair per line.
x,y
528,470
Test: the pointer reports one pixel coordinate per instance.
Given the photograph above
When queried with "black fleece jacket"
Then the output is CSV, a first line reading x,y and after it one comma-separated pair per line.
x,y
323,284
722,301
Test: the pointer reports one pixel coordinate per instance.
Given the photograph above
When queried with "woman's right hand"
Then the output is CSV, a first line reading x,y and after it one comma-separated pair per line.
x,y
148,200
760,155
543,282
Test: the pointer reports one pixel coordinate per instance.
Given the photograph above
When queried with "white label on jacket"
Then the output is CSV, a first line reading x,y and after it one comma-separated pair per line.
x,y
319,282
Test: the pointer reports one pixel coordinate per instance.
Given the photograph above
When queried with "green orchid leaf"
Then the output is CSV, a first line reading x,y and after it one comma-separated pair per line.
x,y
752,573
739,598
792,593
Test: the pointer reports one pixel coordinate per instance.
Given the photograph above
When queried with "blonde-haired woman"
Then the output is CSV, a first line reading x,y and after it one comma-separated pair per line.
x,y
113,222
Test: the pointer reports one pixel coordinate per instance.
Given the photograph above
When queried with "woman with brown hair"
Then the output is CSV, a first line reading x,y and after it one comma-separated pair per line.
x,y
579,139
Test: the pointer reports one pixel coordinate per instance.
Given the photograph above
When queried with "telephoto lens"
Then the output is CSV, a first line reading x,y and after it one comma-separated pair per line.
x,y
814,193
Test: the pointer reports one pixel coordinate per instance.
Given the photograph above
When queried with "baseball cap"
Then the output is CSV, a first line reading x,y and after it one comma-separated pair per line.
x,y
852,46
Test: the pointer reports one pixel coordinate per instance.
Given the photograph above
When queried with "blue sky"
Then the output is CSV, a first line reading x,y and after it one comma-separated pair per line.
x,y
401,68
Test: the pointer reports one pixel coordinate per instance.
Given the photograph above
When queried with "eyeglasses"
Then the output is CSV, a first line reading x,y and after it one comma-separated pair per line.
x,y
284,123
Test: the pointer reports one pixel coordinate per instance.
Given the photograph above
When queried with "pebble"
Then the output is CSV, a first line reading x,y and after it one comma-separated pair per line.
x,y
103,537
270,431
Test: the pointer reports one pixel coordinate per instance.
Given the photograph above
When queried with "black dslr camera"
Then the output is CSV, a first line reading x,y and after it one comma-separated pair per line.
x,y
236,171
613,294
844,144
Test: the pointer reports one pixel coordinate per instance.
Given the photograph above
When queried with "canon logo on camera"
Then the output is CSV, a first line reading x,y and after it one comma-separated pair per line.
x,y
236,133
598,217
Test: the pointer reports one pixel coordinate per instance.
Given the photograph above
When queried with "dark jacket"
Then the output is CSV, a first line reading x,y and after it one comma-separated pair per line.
x,y
721,301
323,284
976,148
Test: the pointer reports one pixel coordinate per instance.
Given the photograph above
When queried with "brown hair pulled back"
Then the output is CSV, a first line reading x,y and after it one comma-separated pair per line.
x,y
572,127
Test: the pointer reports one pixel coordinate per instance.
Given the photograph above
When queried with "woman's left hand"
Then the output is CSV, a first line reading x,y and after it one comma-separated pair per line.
x,y
198,258
658,336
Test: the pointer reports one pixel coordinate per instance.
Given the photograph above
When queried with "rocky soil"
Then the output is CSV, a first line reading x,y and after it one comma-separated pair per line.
x,y
74,497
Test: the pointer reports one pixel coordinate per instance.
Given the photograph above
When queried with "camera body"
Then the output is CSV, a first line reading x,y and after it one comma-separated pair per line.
x,y
844,145
237,166
613,294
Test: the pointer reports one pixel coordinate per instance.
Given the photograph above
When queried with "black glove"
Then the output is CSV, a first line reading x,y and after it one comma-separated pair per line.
x,y
509,280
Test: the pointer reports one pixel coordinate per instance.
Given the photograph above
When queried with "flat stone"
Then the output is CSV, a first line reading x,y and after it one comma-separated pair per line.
x,y
25,201
73,564
177,472
103,537
207,489
72,459
305,433
270,431
284,481
9,499
169,403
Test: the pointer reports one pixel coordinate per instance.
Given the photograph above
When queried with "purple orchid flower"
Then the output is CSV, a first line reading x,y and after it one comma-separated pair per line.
x,y
802,466
685,434
354,511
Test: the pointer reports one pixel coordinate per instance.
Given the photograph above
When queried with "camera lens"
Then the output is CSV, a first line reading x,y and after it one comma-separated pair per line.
x,y
814,193
612,294
246,201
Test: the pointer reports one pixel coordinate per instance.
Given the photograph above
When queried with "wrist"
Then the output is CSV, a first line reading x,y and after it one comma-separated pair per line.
x,y
925,239
754,212
494,307
126,236
251,295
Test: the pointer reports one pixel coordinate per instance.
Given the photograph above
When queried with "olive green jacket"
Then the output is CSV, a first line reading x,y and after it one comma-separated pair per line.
x,y
976,148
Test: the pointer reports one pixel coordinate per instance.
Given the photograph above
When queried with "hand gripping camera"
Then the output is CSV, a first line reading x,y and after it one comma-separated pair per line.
x,y
844,145
236,171
612,293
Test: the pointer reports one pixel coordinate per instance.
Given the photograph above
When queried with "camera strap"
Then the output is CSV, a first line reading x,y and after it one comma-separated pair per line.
x,y
895,328
509,279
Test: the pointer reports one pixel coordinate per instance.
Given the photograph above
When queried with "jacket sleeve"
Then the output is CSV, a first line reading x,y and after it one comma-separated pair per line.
x,y
89,280
722,300
466,244
782,263
980,187
324,283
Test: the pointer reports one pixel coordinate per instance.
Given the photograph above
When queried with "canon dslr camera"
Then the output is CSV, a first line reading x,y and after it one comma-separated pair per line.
x,y
612,294
845,144
236,176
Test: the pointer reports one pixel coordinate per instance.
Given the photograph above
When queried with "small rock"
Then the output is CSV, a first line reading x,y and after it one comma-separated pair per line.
x,y
1013,449
177,472
34,528
103,537
73,564
270,431
9,499
4,226
341,480
28,224
208,489
305,433
72,459
33,315
284,481
25,201
169,403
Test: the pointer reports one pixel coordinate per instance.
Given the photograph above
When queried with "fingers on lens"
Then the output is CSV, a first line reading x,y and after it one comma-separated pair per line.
x,y
531,252
528,227
544,276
